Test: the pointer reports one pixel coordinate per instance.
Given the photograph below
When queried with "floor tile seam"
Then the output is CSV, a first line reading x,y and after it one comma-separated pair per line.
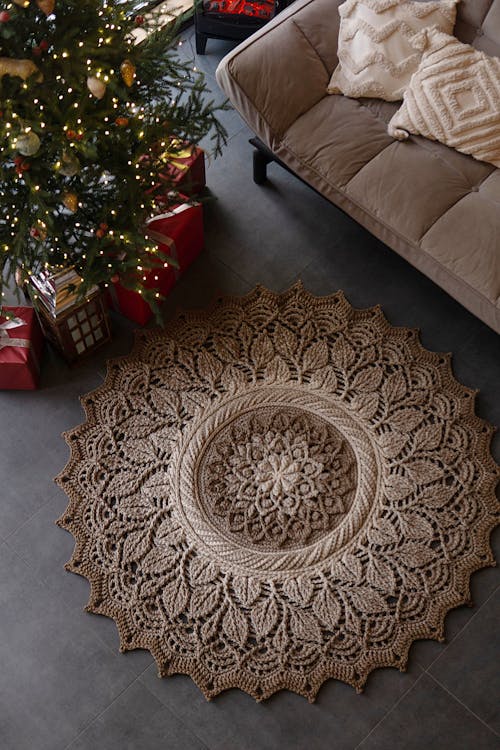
x,y
43,582
478,609
244,126
26,520
172,710
98,715
229,268
464,705
391,709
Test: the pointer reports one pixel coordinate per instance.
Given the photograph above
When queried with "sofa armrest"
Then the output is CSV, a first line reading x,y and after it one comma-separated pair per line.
x,y
283,70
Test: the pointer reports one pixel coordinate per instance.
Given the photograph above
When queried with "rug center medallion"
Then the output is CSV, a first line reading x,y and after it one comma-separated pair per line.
x,y
277,478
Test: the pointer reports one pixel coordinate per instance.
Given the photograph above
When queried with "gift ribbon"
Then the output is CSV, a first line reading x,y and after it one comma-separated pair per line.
x,y
164,239
6,340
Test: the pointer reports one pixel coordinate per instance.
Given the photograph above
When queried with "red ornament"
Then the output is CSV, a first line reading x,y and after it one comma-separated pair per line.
x,y
71,135
79,136
103,226
4,16
25,166
100,233
122,122
34,232
115,278
18,160
139,20
44,45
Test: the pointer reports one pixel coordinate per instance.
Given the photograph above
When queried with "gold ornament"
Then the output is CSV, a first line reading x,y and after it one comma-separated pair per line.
x,y
70,200
46,6
27,143
127,69
20,68
22,3
96,87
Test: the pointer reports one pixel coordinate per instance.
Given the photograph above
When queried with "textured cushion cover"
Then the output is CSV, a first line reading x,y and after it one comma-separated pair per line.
x,y
376,56
454,98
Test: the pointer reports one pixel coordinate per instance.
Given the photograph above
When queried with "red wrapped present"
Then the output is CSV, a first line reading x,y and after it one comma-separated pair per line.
x,y
179,234
184,169
21,344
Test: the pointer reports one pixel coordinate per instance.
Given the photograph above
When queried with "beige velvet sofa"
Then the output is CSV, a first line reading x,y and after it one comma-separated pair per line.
x,y
434,206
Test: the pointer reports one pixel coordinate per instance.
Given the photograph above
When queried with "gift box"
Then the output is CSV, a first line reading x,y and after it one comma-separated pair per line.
x,y
179,235
183,170
187,169
21,344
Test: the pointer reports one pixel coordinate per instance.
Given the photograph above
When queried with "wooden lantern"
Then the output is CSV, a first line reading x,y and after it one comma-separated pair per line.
x,y
80,330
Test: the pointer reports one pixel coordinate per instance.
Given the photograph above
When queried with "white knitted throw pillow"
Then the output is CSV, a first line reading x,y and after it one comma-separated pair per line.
x,y
376,57
454,98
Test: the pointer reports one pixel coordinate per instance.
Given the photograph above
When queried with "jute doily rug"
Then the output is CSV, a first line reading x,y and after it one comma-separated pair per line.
x,y
279,490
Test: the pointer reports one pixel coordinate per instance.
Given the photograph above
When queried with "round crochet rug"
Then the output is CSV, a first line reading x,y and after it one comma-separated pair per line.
x,y
279,490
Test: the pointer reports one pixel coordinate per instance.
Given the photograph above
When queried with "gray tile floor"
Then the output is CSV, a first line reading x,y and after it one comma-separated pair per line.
x,y
63,683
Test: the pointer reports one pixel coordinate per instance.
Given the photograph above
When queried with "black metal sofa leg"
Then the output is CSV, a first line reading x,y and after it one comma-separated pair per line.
x,y
260,162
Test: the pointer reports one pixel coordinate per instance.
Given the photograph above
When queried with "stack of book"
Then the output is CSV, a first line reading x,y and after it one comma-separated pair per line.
x,y
57,290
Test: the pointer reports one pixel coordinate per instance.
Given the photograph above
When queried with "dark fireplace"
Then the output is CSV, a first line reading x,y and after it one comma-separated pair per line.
x,y
232,19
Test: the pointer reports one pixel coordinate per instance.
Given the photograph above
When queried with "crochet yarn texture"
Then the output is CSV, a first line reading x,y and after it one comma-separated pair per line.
x,y
279,490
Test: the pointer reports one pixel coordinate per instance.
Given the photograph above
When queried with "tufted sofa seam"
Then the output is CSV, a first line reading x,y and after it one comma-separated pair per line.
x,y
366,164
390,228
419,140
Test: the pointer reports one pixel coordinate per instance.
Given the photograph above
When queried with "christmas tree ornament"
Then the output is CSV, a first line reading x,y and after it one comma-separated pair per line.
x,y
27,143
115,278
139,20
39,231
20,68
102,231
70,201
69,164
69,157
20,277
21,165
127,69
46,6
96,87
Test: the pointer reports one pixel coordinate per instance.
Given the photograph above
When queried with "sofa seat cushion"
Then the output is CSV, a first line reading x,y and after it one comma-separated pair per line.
x,y
418,190
466,238
407,186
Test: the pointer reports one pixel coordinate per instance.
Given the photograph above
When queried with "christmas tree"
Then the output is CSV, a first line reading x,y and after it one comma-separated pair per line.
x,y
85,114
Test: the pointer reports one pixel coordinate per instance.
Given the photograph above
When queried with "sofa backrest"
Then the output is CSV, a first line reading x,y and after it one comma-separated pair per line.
x,y
478,23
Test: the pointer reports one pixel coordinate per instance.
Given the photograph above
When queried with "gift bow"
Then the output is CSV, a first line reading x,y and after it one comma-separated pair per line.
x,y
6,340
